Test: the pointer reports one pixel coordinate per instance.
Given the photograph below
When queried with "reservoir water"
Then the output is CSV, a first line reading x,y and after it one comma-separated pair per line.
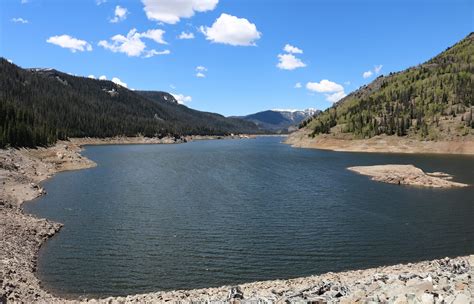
x,y
212,213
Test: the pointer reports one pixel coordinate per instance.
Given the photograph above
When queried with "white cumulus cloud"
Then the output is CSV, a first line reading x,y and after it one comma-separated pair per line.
x,y
71,43
335,97
200,75
119,82
298,85
201,68
20,20
99,2
367,74
91,76
185,35
378,68
103,77
228,29
120,14
324,86
155,35
171,11
292,49
182,99
289,62
132,45
334,90
152,53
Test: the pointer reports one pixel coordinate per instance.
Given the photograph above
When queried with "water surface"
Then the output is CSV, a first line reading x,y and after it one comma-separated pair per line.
x,y
209,213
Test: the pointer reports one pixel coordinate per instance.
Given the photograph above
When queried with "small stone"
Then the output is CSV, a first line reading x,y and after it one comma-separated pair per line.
x,y
427,298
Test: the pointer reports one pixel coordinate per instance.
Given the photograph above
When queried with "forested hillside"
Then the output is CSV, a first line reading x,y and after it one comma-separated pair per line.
x,y
40,106
431,101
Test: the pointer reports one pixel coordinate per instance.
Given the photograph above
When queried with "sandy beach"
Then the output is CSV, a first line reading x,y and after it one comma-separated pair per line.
x,y
448,280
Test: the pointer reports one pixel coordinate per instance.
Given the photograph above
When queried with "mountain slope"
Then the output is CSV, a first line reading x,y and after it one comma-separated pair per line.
x,y
433,100
39,106
280,120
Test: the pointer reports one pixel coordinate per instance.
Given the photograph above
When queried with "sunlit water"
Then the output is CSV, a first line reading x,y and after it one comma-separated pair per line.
x,y
209,213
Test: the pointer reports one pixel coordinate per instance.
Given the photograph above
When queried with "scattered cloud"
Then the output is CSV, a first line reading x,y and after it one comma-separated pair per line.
x,y
119,82
71,43
324,86
99,2
169,11
24,1
292,49
335,97
152,53
367,74
185,35
298,85
289,62
91,76
182,99
103,77
133,46
334,91
20,20
120,14
200,71
228,29
378,68
155,35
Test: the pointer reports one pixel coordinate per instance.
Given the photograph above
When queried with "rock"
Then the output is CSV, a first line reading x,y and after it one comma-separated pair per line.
x,y
427,298
462,299
235,293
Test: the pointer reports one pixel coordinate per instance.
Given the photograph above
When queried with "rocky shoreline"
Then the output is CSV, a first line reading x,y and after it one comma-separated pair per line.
x,y
447,280
381,144
407,175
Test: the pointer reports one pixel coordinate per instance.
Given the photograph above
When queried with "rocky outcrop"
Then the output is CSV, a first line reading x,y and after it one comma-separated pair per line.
x,y
407,175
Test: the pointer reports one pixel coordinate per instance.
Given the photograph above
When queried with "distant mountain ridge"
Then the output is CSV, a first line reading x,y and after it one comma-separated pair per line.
x,y
280,121
434,100
40,106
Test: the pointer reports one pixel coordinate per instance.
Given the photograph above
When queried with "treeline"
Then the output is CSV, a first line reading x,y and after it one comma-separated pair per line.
x,y
38,107
415,101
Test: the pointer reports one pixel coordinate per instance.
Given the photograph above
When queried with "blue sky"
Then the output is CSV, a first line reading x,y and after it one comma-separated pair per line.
x,y
331,44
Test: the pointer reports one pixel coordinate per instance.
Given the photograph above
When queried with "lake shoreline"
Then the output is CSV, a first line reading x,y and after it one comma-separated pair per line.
x,y
381,144
22,170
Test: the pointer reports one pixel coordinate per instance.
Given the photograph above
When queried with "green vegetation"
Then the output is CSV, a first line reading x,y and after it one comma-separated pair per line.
x,y
38,107
430,101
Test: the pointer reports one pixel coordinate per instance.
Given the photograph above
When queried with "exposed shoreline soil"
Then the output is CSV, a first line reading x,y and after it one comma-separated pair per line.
x,y
381,144
407,175
447,280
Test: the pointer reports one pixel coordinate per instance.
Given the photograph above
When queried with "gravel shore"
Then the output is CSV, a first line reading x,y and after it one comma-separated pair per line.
x,y
448,280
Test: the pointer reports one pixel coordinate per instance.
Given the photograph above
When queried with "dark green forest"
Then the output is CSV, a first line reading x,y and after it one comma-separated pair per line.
x,y
40,106
430,101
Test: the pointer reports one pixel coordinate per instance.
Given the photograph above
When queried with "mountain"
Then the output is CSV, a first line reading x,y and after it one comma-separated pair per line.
x,y
280,121
39,106
433,100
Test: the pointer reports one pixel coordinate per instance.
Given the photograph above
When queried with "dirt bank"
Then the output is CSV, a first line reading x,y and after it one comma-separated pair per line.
x,y
381,144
